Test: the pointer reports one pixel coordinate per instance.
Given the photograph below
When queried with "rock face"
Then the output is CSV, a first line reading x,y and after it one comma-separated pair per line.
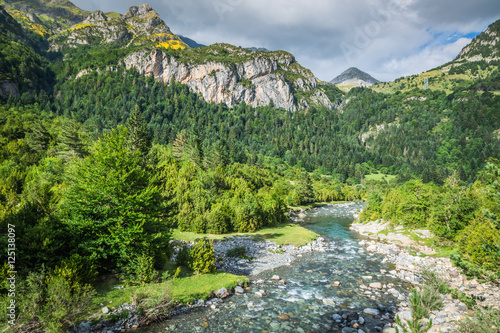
x,y
255,78
8,88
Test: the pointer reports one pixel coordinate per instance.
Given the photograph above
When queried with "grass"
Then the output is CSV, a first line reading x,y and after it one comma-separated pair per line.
x,y
282,234
380,177
181,290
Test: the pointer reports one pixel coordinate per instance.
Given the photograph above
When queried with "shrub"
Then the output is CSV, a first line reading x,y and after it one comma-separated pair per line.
x,y
76,270
219,219
238,252
202,257
183,257
478,242
484,321
143,270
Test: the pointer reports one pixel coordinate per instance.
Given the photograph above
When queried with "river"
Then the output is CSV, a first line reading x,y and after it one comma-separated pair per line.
x,y
311,294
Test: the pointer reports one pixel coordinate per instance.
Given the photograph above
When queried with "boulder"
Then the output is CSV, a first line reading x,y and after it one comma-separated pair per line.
x,y
222,293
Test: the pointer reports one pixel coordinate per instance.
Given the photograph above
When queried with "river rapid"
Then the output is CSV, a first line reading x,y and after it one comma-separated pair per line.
x,y
322,291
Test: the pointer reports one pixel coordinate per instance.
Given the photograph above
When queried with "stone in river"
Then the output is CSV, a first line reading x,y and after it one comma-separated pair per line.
x,y
336,284
275,277
239,290
372,312
337,317
258,294
376,285
283,316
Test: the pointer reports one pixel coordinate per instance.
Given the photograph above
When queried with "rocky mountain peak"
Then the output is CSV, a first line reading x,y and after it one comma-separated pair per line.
x,y
138,10
96,16
356,77
485,46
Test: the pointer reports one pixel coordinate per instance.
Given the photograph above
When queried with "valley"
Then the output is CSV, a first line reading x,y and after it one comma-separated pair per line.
x,y
159,184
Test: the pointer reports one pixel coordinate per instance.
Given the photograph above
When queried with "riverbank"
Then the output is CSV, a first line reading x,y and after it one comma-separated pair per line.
x,y
268,248
406,250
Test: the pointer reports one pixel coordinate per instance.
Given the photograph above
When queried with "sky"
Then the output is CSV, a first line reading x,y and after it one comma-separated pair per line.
x,y
385,38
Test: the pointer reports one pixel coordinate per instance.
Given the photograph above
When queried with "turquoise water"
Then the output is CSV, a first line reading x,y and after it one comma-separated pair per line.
x,y
308,298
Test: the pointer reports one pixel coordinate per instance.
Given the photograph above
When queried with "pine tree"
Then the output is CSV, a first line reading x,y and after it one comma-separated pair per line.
x,y
138,134
38,139
70,144
179,145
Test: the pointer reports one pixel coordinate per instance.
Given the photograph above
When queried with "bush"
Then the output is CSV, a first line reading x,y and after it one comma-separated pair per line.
x,y
142,269
202,257
483,321
183,257
76,270
51,301
478,242
237,252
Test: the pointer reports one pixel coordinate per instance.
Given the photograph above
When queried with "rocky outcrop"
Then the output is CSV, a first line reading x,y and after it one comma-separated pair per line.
x,y
95,17
258,79
485,46
8,88
140,25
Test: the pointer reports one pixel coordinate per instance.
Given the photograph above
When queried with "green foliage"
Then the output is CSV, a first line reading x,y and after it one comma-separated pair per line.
x,y
50,301
113,207
183,257
418,313
480,242
76,270
202,259
142,269
483,321
238,252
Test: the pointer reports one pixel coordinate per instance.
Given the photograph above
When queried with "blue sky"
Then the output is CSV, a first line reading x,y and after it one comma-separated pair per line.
x,y
386,38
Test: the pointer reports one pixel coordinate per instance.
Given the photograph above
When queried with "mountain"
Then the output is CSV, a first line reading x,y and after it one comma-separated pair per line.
x,y
353,77
190,42
140,25
45,17
484,46
475,66
257,49
140,39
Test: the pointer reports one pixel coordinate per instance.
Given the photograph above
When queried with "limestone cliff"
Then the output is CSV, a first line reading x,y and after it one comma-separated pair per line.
x,y
227,74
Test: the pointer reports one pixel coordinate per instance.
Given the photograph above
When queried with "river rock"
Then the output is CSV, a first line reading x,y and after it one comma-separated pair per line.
x,y
389,330
336,283
258,294
372,312
222,293
376,285
105,310
239,290
361,320
275,277
337,317
83,328
349,330
283,316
